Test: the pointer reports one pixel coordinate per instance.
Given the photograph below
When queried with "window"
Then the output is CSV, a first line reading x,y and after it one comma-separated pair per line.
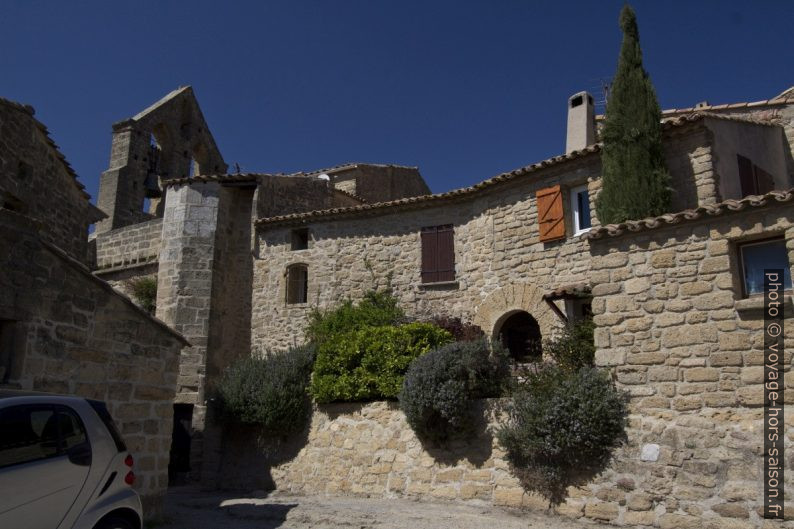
x,y
753,179
299,239
7,349
756,256
580,206
297,284
578,308
33,432
551,222
438,254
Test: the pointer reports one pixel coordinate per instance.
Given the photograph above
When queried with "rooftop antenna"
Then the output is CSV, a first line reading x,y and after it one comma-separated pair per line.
x,y
599,87
237,168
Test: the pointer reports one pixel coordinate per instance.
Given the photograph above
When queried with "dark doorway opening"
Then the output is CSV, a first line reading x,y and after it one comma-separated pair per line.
x,y
179,463
520,334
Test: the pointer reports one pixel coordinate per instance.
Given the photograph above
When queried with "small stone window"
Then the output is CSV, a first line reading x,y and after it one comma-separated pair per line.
x,y
299,239
759,255
297,284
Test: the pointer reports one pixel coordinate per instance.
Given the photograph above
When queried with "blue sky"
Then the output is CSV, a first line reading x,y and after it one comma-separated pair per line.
x,y
465,90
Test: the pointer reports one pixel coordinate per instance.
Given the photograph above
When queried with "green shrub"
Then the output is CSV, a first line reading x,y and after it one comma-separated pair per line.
x,y
562,427
270,390
375,310
370,362
143,291
460,331
439,387
574,348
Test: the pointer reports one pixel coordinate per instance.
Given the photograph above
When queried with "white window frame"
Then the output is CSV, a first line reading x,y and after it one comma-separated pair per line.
x,y
575,209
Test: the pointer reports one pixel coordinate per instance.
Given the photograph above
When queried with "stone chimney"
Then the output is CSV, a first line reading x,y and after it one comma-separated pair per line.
x,y
581,122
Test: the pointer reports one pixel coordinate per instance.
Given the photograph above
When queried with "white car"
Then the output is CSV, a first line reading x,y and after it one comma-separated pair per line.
x,y
63,465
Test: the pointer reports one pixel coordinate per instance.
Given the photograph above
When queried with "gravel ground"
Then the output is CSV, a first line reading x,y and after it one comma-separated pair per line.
x,y
189,508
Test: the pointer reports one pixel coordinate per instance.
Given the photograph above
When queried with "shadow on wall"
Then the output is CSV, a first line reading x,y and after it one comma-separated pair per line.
x,y
249,453
475,446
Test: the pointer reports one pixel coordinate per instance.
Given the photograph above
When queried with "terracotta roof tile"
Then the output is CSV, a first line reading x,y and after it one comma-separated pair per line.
x,y
346,167
456,194
426,200
568,291
696,116
221,178
784,98
668,219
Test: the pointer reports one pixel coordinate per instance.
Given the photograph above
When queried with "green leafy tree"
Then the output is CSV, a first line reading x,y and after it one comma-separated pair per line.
x,y
635,183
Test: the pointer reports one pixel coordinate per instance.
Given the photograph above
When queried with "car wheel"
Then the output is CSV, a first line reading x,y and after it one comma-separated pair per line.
x,y
114,522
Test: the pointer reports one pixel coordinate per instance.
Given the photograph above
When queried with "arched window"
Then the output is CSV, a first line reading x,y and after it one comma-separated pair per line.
x,y
297,284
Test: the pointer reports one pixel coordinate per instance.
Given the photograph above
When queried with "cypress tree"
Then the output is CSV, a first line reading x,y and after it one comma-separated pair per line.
x,y
635,183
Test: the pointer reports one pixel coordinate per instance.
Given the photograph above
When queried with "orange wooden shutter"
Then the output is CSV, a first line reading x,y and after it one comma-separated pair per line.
x,y
551,221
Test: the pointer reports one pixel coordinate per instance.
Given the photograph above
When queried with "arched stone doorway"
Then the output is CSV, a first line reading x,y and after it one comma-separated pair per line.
x,y
520,333
506,301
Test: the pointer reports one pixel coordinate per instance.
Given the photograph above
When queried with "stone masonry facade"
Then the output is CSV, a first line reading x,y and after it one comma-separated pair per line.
x,y
679,336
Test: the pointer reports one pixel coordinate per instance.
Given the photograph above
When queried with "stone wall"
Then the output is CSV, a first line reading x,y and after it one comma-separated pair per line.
x,y
73,334
283,195
679,337
501,266
370,450
690,160
184,282
380,183
36,180
128,247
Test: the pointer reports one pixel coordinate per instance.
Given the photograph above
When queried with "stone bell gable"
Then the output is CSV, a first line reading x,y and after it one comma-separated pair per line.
x,y
170,139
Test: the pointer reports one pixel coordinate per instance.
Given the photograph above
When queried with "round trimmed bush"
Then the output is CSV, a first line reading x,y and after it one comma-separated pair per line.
x,y
270,390
440,386
561,427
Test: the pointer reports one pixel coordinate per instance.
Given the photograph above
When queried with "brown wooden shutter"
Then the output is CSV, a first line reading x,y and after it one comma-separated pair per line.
x,y
746,176
551,221
429,255
446,253
438,254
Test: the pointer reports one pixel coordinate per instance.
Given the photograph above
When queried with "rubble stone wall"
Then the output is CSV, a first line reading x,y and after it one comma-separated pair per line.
x,y
130,246
674,328
73,334
35,181
496,248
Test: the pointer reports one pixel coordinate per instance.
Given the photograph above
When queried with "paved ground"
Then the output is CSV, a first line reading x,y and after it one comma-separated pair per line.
x,y
188,508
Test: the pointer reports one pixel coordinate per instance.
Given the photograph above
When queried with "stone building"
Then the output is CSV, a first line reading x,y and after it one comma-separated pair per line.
x,y
62,329
240,259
